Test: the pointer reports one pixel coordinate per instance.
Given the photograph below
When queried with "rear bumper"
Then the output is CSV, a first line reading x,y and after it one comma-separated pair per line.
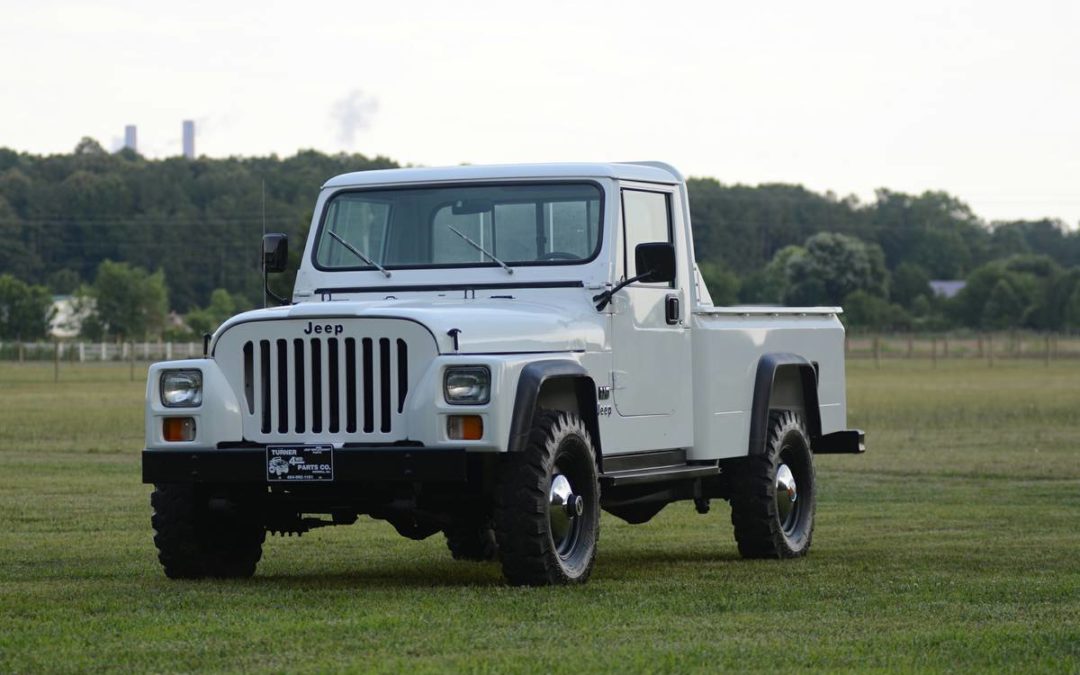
x,y
847,442
351,465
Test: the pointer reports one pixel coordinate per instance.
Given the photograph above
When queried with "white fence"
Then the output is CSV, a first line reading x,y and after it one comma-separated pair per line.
x,y
86,352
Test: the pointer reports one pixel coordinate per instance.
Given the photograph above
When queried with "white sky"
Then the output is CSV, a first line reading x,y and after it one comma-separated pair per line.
x,y
981,99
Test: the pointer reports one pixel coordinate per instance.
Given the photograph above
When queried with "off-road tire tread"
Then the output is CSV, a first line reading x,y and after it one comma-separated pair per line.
x,y
192,543
758,532
474,542
526,552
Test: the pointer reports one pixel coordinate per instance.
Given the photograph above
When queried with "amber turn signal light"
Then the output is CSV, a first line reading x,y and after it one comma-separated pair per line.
x,y
465,427
178,428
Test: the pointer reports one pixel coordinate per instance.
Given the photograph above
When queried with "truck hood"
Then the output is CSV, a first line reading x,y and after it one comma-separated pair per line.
x,y
482,325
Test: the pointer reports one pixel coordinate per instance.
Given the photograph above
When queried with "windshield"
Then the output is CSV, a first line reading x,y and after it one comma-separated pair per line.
x,y
461,226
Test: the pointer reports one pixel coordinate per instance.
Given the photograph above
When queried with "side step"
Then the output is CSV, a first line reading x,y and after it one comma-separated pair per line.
x,y
652,467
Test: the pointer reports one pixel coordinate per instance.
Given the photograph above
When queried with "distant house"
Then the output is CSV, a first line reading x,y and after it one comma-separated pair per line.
x,y
67,314
947,288
175,322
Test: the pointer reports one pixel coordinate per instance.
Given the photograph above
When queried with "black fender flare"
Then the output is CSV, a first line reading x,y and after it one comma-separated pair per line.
x,y
532,379
767,367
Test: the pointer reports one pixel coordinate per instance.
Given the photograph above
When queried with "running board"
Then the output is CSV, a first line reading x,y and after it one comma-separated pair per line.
x,y
652,467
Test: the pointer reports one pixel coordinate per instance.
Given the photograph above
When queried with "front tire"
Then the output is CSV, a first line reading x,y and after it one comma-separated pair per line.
x,y
547,510
195,542
775,493
472,541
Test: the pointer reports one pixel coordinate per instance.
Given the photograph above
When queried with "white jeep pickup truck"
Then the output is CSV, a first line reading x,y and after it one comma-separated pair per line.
x,y
497,353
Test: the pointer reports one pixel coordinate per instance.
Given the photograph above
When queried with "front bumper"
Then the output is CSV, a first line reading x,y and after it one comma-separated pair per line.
x,y
351,465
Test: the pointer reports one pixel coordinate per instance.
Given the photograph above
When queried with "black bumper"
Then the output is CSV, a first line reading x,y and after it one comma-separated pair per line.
x,y
847,442
351,465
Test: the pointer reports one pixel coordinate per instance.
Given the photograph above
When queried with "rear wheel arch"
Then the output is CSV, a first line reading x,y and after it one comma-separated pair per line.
x,y
783,382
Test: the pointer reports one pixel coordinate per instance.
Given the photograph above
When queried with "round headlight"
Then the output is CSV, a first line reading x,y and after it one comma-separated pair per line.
x,y
181,388
467,385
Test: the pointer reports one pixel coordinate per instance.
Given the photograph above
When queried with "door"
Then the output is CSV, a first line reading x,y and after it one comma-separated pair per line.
x,y
650,341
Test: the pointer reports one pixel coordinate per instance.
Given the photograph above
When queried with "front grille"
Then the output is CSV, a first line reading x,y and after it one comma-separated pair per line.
x,y
325,385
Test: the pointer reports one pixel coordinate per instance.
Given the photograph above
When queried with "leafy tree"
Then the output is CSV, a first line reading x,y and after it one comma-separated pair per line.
x,y
1003,307
1029,280
64,282
863,310
1071,315
767,286
834,266
89,146
722,283
933,230
24,310
130,303
222,306
909,281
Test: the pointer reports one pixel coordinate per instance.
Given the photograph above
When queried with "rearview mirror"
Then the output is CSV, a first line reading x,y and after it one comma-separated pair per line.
x,y
464,207
655,262
275,252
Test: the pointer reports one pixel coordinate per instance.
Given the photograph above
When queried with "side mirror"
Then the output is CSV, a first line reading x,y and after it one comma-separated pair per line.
x,y
655,262
275,252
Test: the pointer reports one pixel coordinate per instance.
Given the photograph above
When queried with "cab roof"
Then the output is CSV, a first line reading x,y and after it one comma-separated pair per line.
x,y
648,172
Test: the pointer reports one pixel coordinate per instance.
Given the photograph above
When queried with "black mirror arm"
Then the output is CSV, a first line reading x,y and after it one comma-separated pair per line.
x,y
603,299
272,295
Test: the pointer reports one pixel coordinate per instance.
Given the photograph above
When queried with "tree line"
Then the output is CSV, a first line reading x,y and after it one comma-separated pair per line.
x,y
133,238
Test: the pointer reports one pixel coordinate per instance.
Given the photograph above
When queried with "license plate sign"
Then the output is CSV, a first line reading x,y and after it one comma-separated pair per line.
x,y
299,463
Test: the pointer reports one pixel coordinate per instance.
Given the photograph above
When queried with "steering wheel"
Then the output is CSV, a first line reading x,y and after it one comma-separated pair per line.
x,y
559,255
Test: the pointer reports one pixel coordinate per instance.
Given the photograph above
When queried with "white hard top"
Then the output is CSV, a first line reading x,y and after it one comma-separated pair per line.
x,y
649,172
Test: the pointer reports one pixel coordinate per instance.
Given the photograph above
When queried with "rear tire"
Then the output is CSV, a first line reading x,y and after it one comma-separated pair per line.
x,y
472,541
194,542
547,508
775,493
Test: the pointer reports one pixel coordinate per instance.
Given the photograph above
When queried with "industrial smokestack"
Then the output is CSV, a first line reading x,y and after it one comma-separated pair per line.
x,y
130,141
189,139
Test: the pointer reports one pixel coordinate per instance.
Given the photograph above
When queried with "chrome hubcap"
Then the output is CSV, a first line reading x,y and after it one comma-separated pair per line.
x,y
786,494
564,510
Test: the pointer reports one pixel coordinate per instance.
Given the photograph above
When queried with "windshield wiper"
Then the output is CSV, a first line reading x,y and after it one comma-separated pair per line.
x,y
478,247
355,251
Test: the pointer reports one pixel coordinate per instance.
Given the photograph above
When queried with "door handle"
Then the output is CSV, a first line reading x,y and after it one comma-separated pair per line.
x,y
671,309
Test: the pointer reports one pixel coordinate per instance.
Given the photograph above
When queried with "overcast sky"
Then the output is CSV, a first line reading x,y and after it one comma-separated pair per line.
x,y
981,99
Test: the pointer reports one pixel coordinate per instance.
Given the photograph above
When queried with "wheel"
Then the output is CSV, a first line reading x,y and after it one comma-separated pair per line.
x,y
195,542
547,510
773,499
472,541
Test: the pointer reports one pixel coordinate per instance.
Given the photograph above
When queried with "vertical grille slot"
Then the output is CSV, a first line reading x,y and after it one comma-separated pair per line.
x,y
384,372
350,385
402,374
369,393
249,376
283,386
316,385
264,371
299,384
332,359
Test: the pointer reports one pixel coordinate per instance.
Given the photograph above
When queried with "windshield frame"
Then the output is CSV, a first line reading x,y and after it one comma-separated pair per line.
x,y
601,215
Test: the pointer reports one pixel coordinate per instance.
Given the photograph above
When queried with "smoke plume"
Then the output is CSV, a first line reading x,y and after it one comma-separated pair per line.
x,y
353,114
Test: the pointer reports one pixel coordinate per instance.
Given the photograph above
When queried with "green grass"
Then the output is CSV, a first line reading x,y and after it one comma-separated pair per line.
x,y
954,544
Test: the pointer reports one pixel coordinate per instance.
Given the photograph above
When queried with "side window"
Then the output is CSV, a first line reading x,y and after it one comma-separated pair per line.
x,y
646,218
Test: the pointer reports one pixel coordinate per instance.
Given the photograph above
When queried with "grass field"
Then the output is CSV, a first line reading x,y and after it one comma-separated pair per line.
x,y
954,544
